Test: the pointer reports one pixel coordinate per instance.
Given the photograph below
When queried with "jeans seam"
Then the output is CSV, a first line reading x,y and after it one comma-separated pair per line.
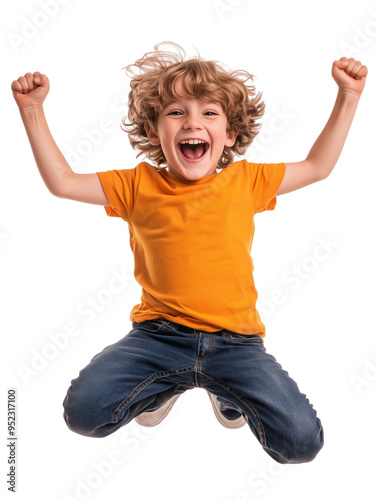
x,y
261,431
142,386
210,348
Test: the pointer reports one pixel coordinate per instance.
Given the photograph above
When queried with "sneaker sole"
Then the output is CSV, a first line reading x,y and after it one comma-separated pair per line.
x,y
225,422
153,418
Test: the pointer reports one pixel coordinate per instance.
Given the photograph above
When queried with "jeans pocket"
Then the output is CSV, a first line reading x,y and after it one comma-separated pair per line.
x,y
150,325
247,339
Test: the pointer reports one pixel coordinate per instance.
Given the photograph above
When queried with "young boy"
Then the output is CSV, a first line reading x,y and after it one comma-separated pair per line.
x,y
191,229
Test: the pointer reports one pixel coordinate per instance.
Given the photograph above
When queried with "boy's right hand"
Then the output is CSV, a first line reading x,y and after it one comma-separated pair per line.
x,y
30,91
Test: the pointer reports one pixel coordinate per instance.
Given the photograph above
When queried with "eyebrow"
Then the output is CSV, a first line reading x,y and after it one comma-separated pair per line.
x,y
209,103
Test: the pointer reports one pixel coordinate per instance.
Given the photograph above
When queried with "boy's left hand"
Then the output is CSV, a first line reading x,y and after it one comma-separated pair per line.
x,y
350,75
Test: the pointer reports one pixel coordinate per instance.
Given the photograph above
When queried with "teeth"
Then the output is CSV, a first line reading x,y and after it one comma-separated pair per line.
x,y
193,141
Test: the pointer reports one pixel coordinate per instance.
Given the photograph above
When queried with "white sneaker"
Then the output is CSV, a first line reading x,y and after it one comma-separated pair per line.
x,y
152,418
226,422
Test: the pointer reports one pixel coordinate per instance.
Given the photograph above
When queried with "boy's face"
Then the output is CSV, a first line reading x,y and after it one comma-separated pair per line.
x,y
187,118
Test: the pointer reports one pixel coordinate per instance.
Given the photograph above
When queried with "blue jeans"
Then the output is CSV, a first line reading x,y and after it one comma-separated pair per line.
x,y
158,359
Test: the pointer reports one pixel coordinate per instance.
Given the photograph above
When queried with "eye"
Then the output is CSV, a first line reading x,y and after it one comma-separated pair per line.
x,y
211,113
176,113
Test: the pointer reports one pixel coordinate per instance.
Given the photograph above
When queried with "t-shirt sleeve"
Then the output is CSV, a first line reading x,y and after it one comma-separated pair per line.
x,y
119,188
266,179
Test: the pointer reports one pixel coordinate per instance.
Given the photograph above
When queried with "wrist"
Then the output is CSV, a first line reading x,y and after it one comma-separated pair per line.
x,y
348,94
35,109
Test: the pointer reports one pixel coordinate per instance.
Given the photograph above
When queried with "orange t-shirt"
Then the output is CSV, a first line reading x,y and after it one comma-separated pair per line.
x,y
191,241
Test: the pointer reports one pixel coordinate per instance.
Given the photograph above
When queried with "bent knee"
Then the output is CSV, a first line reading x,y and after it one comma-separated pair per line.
x,y
85,418
304,445
77,418
308,448
300,444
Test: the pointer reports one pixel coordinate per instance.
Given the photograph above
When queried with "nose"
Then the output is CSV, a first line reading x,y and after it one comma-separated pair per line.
x,y
193,122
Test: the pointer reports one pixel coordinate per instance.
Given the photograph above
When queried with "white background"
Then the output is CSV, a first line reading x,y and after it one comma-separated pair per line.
x,y
57,254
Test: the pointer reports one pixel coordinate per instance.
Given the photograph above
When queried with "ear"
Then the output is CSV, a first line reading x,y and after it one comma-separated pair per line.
x,y
152,136
230,138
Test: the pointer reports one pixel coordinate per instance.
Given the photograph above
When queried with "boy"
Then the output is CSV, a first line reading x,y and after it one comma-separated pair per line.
x,y
191,229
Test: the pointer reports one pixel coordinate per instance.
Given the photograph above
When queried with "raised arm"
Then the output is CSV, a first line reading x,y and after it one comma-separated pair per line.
x,y
350,75
29,92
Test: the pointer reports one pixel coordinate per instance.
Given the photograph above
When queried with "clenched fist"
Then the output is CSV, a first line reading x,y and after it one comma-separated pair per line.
x,y
30,91
350,75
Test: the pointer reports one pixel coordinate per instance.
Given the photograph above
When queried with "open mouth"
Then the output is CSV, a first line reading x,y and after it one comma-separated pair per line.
x,y
193,149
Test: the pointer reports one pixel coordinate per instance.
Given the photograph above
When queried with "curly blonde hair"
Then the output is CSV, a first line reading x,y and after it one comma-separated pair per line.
x,y
154,85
